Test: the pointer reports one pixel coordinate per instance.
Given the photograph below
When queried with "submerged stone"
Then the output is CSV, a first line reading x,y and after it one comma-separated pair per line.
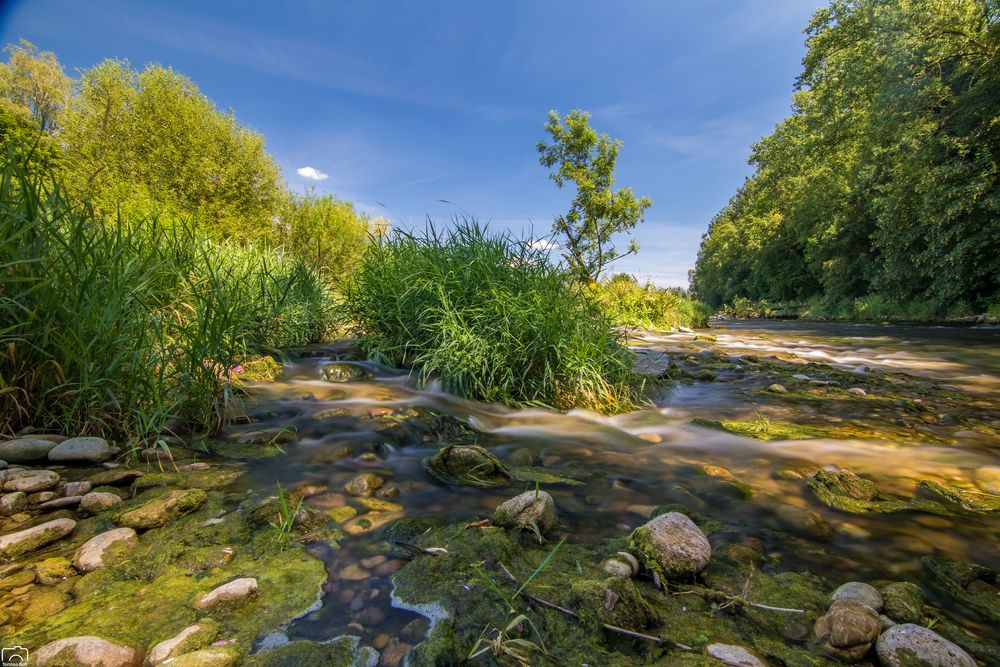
x,y
342,651
469,465
848,492
904,602
531,508
977,588
364,485
967,500
343,371
671,545
908,645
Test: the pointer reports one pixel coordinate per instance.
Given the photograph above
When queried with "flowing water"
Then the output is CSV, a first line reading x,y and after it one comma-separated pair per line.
x,y
637,461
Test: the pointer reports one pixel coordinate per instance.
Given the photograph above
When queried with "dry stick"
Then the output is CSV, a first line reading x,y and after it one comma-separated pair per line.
x,y
608,627
413,548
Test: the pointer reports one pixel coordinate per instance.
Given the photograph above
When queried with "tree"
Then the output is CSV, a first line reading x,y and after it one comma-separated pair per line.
x,y
581,156
153,138
34,85
325,230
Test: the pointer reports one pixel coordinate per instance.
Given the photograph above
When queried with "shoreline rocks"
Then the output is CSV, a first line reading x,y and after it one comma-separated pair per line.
x,y
235,592
908,644
91,553
87,652
671,545
28,540
530,507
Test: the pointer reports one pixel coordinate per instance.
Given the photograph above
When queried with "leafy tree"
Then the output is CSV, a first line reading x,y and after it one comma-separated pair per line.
x,y
152,137
33,85
325,230
581,156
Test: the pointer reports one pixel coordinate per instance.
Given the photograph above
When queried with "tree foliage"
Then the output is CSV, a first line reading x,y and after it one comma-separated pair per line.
x,y
884,179
580,156
325,230
33,85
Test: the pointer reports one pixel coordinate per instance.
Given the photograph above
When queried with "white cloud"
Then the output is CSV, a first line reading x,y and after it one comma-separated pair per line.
x,y
545,244
312,173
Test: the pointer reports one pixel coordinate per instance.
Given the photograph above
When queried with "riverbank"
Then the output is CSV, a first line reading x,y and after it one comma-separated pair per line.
x,y
872,309
807,457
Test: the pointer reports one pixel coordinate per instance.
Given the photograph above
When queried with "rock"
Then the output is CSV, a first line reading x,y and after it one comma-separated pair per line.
x,y
904,602
24,541
859,592
25,450
671,545
189,639
3,464
195,467
988,479
17,580
234,593
87,652
30,481
116,477
469,465
857,391
805,522
734,656
53,570
60,503
214,656
12,503
45,603
90,555
847,630
158,512
342,371
96,502
393,654
523,456
622,564
81,450
76,488
42,497
530,507
908,644
777,389
364,484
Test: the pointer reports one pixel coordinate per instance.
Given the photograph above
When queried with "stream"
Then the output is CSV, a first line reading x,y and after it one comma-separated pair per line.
x,y
653,456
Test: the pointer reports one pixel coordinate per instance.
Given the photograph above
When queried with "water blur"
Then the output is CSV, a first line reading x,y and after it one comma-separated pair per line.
x,y
629,464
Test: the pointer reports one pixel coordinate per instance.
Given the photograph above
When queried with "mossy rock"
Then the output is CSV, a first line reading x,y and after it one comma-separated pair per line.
x,y
763,429
467,465
159,511
708,524
971,501
261,368
216,476
342,652
615,601
845,491
976,588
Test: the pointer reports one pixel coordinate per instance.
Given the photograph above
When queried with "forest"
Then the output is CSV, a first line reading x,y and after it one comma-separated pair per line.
x,y
879,194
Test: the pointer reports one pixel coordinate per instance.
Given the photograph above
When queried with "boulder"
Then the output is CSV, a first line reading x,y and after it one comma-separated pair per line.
x,y
158,512
191,638
29,539
469,465
76,488
671,545
364,485
30,481
343,371
87,652
59,503
234,593
904,602
847,630
81,450
908,644
91,553
734,656
12,503
530,507
25,450
859,592
96,502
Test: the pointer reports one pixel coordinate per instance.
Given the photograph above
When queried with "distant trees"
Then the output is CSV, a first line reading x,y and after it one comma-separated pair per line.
x,y
884,179
325,230
578,155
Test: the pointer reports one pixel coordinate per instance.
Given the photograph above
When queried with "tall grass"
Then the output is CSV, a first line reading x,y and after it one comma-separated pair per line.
x,y
628,303
118,328
490,317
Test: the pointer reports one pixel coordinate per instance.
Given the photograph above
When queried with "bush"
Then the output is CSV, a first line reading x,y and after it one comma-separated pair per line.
x,y
490,317
627,303
119,328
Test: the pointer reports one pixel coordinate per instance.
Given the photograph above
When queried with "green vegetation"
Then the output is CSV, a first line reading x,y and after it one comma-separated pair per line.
x,y
587,160
123,327
490,317
627,303
879,195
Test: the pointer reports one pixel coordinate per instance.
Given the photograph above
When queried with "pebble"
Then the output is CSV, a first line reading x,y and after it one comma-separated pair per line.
x,y
98,501
12,503
364,484
234,592
31,481
734,656
87,652
90,555
76,488
777,389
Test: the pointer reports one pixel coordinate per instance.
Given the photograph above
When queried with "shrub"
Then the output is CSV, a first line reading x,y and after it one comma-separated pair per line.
x,y
628,303
118,327
489,317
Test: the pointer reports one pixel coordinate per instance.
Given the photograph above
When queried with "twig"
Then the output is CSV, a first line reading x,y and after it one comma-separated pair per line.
x,y
607,626
413,548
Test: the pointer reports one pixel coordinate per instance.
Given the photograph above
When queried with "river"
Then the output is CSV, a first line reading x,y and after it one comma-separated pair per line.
x,y
942,427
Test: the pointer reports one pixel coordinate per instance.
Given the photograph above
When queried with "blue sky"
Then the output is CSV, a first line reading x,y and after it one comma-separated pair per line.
x,y
403,104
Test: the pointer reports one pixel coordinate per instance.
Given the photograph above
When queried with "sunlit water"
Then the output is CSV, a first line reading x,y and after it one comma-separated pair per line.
x,y
644,459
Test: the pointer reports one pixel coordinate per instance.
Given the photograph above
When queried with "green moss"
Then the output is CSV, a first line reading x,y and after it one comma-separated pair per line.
x,y
257,369
764,429
467,465
967,500
216,476
342,651
159,511
546,476
615,601
846,491
976,588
